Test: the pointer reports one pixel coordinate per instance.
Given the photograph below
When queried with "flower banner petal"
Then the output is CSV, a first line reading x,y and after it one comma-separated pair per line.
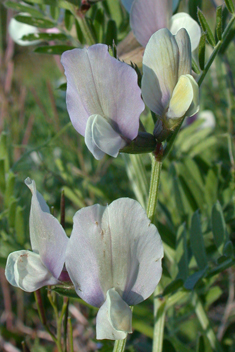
x,y
148,16
24,269
108,89
89,250
183,20
46,234
160,70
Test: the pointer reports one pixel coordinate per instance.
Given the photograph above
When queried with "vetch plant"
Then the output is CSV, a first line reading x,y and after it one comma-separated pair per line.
x,y
168,88
45,264
103,99
114,260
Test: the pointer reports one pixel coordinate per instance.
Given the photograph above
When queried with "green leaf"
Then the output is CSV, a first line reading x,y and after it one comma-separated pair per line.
x,y
23,8
168,346
192,7
172,287
55,12
212,295
63,86
19,225
99,21
193,279
68,20
197,242
228,249
53,50
45,36
218,226
35,22
230,6
211,188
79,32
12,212
206,28
219,21
195,67
2,175
4,154
9,192
111,33
200,344
181,253
202,51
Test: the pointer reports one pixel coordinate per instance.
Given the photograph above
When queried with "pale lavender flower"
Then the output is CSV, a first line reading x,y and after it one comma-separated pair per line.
x,y
45,265
168,88
148,16
114,260
103,99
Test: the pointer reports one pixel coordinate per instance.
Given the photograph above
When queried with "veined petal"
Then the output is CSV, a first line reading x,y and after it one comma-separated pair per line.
x,y
148,16
183,20
185,57
108,89
160,70
24,269
127,4
194,107
115,246
101,138
46,234
114,319
89,250
182,98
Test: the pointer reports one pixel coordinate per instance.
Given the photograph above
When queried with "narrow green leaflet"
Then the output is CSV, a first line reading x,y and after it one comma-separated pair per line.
x,y
34,21
202,51
181,252
111,33
53,50
197,242
193,279
211,188
206,28
2,175
68,20
219,11
23,8
218,226
19,225
200,344
230,6
10,184
45,36
195,67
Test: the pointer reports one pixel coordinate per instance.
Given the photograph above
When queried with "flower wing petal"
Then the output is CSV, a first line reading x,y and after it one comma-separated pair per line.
x,y
101,138
182,98
46,234
160,70
24,269
185,54
148,16
114,318
108,89
183,20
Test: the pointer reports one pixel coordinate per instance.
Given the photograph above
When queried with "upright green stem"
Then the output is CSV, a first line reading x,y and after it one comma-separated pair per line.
x,y
119,345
